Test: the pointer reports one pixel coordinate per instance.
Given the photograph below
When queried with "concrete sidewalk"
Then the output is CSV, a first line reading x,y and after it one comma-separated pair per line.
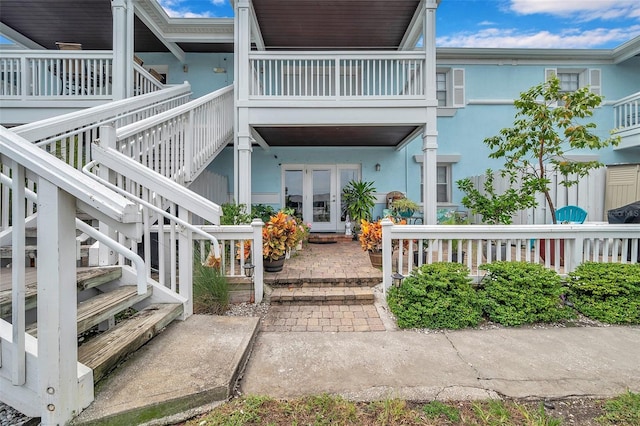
x,y
469,364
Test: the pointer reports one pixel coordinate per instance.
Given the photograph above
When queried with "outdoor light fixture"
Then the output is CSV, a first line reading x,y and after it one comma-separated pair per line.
x,y
397,279
377,167
248,270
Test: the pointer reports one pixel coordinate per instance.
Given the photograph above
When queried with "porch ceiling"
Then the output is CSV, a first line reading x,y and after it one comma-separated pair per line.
x,y
88,22
335,24
360,136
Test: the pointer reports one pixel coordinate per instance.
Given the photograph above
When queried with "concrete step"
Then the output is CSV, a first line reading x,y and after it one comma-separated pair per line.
x,y
323,295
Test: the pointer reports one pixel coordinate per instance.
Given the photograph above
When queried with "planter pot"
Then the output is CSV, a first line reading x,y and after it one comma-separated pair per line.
x,y
406,213
494,249
552,251
454,257
376,259
273,265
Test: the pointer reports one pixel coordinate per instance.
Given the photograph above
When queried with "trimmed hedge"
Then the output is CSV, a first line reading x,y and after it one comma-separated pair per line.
x,y
439,295
516,293
607,292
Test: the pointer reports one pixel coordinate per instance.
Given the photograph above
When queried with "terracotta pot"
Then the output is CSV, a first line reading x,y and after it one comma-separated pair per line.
x,y
273,265
376,259
552,251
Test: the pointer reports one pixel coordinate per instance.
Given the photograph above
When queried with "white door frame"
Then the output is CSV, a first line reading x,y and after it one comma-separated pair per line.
x,y
335,224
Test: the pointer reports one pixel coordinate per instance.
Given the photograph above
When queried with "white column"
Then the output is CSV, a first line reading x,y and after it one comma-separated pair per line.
x,y
242,143
430,136
119,68
256,258
185,264
57,328
130,50
106,255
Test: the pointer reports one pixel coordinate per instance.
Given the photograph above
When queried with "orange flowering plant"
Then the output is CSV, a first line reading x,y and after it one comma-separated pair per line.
x,y
278,235
371,235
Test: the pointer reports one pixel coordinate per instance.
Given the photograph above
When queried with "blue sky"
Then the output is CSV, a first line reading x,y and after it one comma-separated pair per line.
x,y
500,23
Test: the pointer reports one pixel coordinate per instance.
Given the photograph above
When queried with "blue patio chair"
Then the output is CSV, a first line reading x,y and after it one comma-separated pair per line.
x,y
571,214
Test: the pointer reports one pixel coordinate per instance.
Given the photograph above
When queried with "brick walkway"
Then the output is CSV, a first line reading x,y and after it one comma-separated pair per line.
x,y
341,264
322,318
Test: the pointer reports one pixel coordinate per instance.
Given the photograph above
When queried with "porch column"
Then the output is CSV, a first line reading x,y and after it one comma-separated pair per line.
x,y
242,132
57,327
122,68
430,166
430,136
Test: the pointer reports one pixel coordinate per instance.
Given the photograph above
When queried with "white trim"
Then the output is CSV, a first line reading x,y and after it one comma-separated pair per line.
x,y
265,198
490,102
18,38
441,158
447,111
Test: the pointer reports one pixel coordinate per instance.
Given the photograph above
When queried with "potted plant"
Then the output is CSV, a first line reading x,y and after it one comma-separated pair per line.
x,y
278,236
371,241
405,207
359,199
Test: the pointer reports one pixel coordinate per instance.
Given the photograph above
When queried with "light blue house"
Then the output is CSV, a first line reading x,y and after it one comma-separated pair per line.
x,y
283,105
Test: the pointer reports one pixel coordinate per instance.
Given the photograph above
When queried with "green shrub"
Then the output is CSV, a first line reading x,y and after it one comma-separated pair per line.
x,y
516,293
234,214
263,211
439,295
210,289
607,292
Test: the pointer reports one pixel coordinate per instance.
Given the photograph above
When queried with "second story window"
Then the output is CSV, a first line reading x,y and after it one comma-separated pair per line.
x,y
569,81
441,88
450,87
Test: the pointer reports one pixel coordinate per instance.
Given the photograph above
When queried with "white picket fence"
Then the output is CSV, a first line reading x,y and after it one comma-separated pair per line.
x,y
588,194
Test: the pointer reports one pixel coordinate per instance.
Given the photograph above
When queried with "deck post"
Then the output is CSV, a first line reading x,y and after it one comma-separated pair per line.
x,y
256,258
57,328
387,254
185,264
106,255
243,140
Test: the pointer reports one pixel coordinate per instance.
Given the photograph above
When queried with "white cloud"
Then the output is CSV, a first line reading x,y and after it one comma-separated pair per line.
x,y
486,23
513,38
581,10
176,9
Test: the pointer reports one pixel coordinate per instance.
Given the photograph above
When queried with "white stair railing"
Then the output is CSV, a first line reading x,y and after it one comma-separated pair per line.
x,y
181,142
169,213
41,377
144,82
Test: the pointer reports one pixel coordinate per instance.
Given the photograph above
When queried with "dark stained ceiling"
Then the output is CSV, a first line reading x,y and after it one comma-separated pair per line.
x,y
334,24
379,136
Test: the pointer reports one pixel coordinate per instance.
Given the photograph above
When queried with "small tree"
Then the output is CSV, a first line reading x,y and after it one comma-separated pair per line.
x,y
493,207
546,127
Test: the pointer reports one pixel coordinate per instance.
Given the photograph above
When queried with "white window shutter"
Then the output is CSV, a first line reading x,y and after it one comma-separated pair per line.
x,y
458,87
549,73
595,81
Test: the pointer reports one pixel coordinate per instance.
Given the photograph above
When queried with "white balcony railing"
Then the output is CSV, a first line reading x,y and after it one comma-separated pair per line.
x,y
626,113
565,246
53,74
338,75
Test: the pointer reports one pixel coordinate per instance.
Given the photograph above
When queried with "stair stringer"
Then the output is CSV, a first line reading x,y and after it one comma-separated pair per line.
x,y
26,398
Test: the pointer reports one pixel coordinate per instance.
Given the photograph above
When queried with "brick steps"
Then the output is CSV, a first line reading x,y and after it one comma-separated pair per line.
x,y
323,282
323,295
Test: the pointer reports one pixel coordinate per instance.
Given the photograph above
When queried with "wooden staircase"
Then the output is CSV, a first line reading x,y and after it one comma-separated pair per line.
x,y
113,320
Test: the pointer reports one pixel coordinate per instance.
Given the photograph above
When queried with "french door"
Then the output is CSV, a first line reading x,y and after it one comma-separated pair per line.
x,y
313,191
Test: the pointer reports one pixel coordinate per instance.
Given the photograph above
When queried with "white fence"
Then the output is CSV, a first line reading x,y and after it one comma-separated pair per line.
x,y
339,75
588,194
563,247
181,142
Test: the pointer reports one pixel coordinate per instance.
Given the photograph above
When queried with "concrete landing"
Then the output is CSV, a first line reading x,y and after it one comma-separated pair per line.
x,y
190,364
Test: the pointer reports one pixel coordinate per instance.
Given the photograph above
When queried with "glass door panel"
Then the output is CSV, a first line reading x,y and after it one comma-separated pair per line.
x,y
323,199
293,194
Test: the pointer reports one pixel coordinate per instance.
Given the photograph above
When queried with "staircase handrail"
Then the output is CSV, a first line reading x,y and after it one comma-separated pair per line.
x,y
192,147
54,128
144,81
196,230
100,201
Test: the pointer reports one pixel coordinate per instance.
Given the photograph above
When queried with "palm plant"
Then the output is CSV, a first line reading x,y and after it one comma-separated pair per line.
x,y
358,196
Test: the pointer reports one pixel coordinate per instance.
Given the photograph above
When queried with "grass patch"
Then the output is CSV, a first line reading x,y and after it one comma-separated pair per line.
x,y
623,410
333,410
